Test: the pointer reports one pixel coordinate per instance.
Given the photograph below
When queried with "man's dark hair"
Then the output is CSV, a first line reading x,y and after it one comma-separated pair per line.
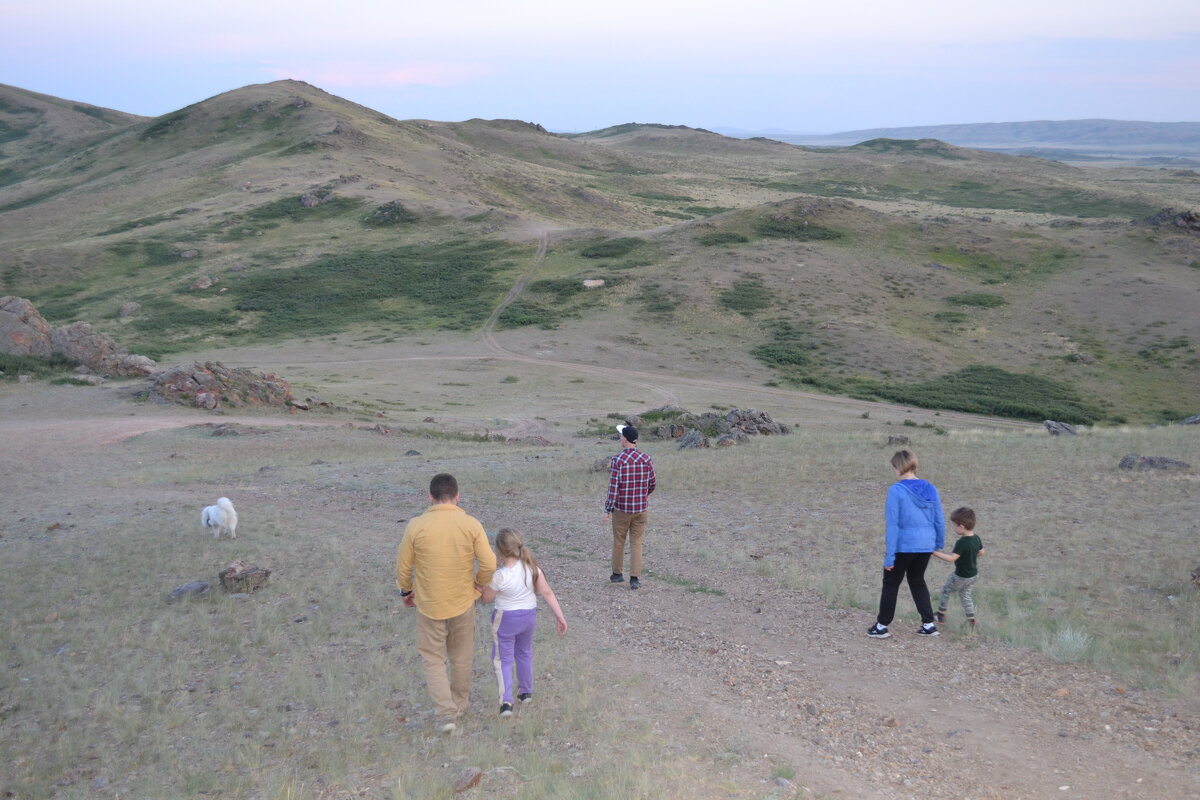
x,y
443,487
963,516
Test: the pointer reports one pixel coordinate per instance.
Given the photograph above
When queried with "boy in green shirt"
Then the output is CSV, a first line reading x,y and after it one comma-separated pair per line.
x,y
967,548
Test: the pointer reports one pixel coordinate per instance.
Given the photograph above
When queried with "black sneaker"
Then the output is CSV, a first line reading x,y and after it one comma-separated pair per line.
x,y
634,582
525,697
940,616
878,631
616,577
928,630
506,709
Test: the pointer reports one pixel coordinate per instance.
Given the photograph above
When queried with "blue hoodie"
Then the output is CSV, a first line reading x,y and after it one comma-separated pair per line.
x,y
915,523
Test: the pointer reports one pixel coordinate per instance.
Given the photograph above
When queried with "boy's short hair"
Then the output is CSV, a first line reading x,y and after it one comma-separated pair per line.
x,y
904,461
443,487
963,516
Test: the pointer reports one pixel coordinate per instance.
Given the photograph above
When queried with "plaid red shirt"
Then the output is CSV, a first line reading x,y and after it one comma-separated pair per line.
x,y
631,481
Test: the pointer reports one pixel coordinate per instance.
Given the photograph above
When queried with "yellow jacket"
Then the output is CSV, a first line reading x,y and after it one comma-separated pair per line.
x,y
437,560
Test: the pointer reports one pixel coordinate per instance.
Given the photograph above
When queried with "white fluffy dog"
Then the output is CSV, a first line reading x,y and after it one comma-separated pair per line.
x,y
220,518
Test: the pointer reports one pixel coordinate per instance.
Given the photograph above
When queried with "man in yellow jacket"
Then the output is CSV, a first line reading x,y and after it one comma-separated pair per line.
x,y
435,571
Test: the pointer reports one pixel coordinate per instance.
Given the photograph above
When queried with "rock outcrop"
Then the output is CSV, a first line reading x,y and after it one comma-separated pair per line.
x,y
710,429
1135,462
212,385
24,332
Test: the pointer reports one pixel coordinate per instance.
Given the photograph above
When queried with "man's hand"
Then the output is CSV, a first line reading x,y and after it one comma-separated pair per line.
x,y
410,600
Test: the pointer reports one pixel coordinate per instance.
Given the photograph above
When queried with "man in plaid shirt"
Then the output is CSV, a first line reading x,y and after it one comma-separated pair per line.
x,y
630,482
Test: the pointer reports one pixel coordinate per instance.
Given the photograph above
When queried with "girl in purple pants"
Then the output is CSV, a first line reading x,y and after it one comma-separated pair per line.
x,y
515,588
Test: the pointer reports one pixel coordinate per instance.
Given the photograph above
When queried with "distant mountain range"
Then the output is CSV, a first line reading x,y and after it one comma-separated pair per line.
x,y
1068,140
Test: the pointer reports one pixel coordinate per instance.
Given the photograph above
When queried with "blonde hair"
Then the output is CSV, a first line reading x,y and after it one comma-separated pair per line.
x,y
510,545
904,461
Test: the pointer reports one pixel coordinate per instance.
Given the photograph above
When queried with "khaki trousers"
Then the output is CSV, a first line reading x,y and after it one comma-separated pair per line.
x,y
634,526
437,640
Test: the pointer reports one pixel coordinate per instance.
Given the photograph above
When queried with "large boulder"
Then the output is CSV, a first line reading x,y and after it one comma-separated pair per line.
x,y
23,332
211,385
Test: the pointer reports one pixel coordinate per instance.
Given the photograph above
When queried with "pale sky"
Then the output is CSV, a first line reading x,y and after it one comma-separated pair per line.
x,y
751,64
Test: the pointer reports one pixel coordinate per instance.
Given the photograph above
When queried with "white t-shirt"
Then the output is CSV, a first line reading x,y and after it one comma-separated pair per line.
x,y
514,587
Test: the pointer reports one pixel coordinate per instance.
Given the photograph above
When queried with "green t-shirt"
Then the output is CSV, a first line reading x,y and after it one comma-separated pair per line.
x,y
968,548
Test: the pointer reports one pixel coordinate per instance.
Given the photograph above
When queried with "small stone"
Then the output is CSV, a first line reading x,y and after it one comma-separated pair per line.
x,y
51,617
187,590
1064,692
466,779
892,722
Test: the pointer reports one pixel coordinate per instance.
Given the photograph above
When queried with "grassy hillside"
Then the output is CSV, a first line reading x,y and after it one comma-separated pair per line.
x,y
913,271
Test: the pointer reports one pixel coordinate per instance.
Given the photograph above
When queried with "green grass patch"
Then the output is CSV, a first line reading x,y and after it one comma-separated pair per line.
x,y
952,317
722,237
656,300
977,300
522,313
669,198
776,354
450,285
612,248
706,211
388,215
292,210
801,230
746,296
11,366
991,390
168,123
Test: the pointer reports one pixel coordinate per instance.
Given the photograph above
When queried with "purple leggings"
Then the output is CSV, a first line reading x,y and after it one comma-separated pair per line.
x,y
512,640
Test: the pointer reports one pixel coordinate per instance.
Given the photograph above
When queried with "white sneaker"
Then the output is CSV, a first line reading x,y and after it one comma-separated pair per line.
x,y
448,727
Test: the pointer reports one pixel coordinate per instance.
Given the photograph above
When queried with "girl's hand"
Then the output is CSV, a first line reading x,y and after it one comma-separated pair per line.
x,y
562,626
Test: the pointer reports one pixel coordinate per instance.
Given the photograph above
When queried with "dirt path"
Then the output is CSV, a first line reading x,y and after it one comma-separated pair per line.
x,y
956,716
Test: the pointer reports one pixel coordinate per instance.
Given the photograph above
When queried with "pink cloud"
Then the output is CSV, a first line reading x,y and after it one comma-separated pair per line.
x,y
361,75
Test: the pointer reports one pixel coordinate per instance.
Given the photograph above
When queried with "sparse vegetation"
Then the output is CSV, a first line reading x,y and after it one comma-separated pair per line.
x,y
746,296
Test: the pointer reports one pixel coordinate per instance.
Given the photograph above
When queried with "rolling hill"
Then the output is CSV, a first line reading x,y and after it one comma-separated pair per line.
x,y
913,270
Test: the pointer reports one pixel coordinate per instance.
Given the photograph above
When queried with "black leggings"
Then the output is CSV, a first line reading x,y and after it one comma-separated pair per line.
x,y
911,566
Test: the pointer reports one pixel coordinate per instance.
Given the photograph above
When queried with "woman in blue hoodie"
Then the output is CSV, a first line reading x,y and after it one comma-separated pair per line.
x,y
916,527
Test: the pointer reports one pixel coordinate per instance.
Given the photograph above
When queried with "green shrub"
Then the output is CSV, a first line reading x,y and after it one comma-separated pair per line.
x,y
722,237
991,390
952,317
779,227
670,198
163,125
522,313
11,366
746,296
612,248
290,208
977,299
388,214
449,285
779,354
